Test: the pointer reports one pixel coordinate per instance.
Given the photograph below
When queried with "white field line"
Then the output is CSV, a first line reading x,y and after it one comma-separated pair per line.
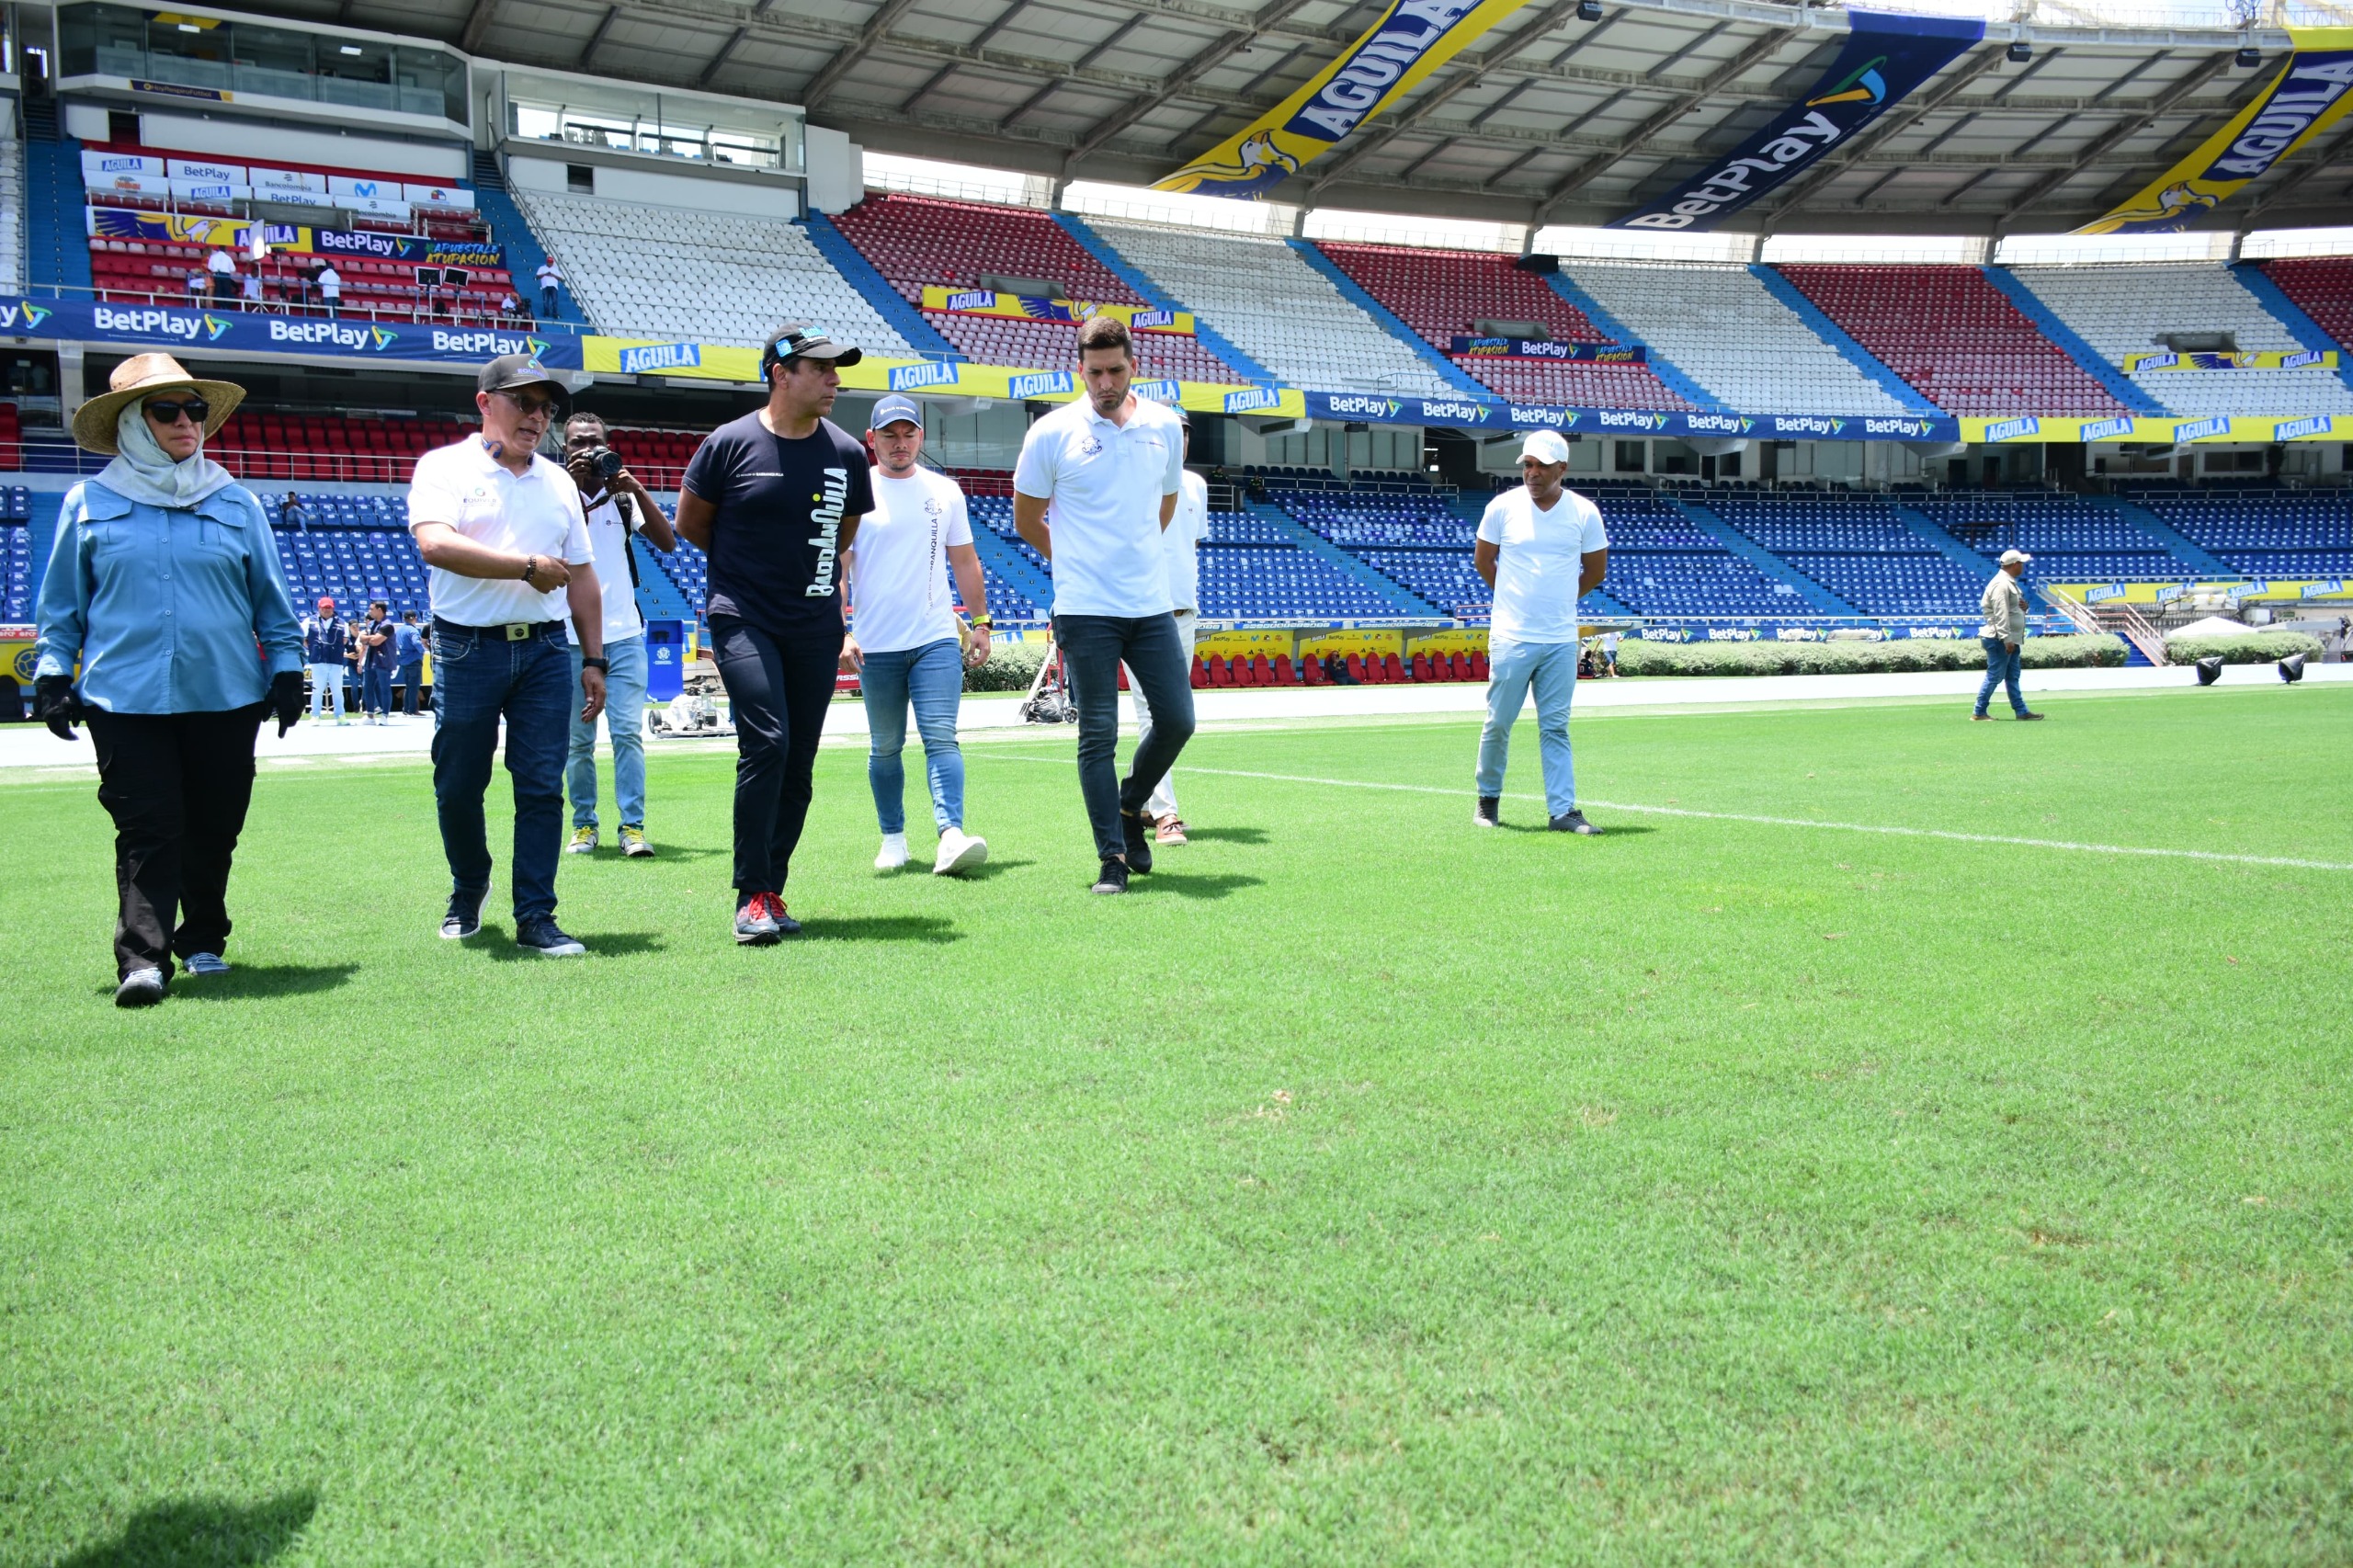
x,y
2067,844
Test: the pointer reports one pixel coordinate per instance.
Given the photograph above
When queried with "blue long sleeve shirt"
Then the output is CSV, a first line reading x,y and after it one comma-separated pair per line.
x,y
167,609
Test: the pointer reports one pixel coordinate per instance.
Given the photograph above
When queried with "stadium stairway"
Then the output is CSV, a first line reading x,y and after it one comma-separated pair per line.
x,y
658,597
1674,379
57,246
1830,331
2120,387
1388,322
1014,567
1949,547
888,303
524,250
1820,600
2306,331
1308,540
2179,543
1116,265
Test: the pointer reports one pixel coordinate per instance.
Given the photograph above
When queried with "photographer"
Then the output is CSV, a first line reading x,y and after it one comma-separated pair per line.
x,y
617,506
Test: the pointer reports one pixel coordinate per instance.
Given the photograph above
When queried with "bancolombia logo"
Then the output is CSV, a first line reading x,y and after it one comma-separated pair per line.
x,y
1885,59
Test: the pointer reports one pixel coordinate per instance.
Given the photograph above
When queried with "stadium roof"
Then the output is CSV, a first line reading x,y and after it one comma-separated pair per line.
x,y
1549,118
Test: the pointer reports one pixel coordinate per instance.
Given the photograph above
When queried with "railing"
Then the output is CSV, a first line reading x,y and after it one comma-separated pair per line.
x,y
2118,619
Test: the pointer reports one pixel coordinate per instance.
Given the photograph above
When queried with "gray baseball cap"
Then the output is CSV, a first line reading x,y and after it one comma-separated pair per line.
x,y
893,409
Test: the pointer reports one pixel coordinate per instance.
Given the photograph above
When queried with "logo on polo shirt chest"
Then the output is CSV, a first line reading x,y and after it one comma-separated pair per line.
x,y
1090,447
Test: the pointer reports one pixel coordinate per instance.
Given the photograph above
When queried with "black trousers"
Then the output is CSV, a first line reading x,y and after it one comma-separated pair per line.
x,y
177,786
780,688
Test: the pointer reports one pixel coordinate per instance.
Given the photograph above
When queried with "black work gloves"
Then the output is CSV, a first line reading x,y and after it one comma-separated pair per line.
x,y
286,699
55,704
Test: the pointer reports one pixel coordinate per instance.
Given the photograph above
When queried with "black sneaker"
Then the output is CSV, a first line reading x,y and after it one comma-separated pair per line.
x,y
1488,813
464,918
543,936
1573,821
1137,829
1112,878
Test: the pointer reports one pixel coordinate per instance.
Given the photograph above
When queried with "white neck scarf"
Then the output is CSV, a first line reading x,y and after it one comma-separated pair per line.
x,y
144,472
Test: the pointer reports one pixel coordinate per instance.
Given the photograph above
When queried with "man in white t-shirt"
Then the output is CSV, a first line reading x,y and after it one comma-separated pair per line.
x,y
551,279
615,508
502,530
1541,549
1180,554
903,637
1097,485
223,268
330,284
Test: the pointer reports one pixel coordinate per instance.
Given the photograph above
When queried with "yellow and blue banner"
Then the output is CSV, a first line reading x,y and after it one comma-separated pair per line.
x,y
2313,92
2155,429
1408,41
1023,307
2238,590
2244,360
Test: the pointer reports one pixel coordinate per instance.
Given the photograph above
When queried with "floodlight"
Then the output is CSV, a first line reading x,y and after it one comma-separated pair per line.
x,y
1588,10
2292,668
2021,53
2249,58
2209,669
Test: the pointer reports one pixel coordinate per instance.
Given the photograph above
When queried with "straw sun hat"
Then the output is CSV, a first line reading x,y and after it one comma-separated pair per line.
x,y
142,376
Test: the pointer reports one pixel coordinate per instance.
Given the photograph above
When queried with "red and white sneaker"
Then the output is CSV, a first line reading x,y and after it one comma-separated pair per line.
x,y
761,920
1171,829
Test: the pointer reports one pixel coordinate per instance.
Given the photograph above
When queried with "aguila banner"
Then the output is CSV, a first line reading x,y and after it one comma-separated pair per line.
x,y
2313,92
1408,41
1887,58
1025,307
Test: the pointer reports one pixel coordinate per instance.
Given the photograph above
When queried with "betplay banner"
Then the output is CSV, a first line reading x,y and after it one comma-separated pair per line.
x,y
1408,41
244,332
1022,307
236,233
1545,348
1886,58
2313,92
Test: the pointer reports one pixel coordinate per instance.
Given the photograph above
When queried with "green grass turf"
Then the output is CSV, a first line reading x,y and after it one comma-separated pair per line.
x,y
1364,1189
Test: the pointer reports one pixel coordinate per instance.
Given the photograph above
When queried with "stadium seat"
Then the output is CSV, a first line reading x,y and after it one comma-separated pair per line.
x,y
1201,677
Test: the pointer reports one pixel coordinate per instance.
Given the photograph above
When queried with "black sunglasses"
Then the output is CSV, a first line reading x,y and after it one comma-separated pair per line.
x,y
196,408
526,406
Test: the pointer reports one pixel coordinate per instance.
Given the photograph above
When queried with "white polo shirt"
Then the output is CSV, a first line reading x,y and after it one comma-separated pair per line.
x,y
1180,542
535,513
608,537
1103,483
1540,563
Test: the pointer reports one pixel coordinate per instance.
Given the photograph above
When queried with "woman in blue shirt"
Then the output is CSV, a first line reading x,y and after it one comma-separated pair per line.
x,y
165,589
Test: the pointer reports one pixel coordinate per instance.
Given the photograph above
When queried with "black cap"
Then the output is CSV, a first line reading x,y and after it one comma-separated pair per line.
x,y
512,373
803,340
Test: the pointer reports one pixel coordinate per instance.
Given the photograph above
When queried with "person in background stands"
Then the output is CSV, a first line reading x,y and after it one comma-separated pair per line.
x,y
165,589
373,640
408,644
1542,548
249,292
330,286
1097,485
616,509
904,640
326,647
510,309
775,498
1180,548
223,268
551,279
293,514
196,286
500,529
2004,633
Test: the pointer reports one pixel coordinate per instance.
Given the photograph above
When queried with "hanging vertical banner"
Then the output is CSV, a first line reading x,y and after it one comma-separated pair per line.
x,y
2313,92
1886,59
1408,41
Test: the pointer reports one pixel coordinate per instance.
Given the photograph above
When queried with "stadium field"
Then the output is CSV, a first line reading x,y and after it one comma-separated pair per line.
x,y
1364,1188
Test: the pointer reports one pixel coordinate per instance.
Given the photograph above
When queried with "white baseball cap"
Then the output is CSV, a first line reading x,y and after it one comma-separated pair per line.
x,y
2015,557
1545,447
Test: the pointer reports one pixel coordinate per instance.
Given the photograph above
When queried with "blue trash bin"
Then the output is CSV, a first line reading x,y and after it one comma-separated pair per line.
x,y
665,659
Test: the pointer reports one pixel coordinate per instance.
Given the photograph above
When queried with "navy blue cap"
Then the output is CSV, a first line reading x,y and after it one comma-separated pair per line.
x,y
893,409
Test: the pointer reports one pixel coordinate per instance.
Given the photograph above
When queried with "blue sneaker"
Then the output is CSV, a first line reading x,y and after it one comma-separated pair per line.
x,y
206,963
543,936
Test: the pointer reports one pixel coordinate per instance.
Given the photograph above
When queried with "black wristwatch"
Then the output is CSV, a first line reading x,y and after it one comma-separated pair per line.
x,y
601,666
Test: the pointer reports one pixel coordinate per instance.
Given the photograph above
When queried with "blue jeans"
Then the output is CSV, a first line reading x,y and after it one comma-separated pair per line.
x,y
2001,668
1095,646
625,720
412,678
376,690
932,677
478,677
1512,669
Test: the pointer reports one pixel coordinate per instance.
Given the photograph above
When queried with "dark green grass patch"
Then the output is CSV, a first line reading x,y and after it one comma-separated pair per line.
x,y
1364,1188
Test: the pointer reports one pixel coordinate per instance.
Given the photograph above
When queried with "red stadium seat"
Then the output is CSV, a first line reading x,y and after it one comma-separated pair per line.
x,y
1200,675
1356,669
1220,671
1393,668
1284,674
1311,668
1422,670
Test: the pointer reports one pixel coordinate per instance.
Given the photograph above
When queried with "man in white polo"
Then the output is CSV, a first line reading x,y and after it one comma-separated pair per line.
x,y
1541,549
1180,552
1096,484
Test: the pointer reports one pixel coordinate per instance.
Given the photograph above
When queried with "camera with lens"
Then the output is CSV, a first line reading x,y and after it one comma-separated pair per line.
x,y
603,461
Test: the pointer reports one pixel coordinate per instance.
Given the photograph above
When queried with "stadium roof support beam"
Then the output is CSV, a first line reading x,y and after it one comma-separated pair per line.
x,y
719,60
1178,81
830,74
596,38
2118,134
1682,104
478,22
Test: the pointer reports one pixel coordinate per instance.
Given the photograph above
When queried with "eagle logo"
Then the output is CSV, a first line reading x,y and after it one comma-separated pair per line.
x,y
1256,157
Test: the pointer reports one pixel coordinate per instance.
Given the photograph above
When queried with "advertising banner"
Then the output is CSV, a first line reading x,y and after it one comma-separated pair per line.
x,y
204,171
235,233
2313,92
2161,430
2239,590
1544,349
2246,359
101,168
1467,414
1886,58
1022,307
1408,41
235,332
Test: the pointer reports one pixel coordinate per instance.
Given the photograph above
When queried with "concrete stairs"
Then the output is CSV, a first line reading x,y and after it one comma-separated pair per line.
x,y
1409,604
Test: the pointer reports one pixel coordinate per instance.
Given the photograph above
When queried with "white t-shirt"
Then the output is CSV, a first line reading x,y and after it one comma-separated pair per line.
x,y
330,282
1104,482
1539,565
1181,541
221,261
536,513
898,592
548,274
609,535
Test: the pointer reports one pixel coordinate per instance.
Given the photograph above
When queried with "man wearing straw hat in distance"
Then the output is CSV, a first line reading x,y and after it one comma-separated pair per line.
x,y
164,588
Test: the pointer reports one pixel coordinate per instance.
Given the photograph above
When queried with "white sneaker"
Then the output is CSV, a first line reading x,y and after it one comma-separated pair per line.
x,y
893,853
958,851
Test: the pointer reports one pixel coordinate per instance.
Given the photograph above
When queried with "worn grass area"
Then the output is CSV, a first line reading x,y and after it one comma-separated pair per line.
x,y
1365,1187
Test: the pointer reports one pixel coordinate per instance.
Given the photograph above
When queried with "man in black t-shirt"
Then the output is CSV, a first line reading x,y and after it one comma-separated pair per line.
x,y
774,498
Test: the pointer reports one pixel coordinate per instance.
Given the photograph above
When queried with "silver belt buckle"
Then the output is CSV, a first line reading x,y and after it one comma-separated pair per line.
x,y
518,632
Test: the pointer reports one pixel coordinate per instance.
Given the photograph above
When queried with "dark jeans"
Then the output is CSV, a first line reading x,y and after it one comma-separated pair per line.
x,y
177,786
1095,646
477,677
780,688
2001,669
376,690
411,678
